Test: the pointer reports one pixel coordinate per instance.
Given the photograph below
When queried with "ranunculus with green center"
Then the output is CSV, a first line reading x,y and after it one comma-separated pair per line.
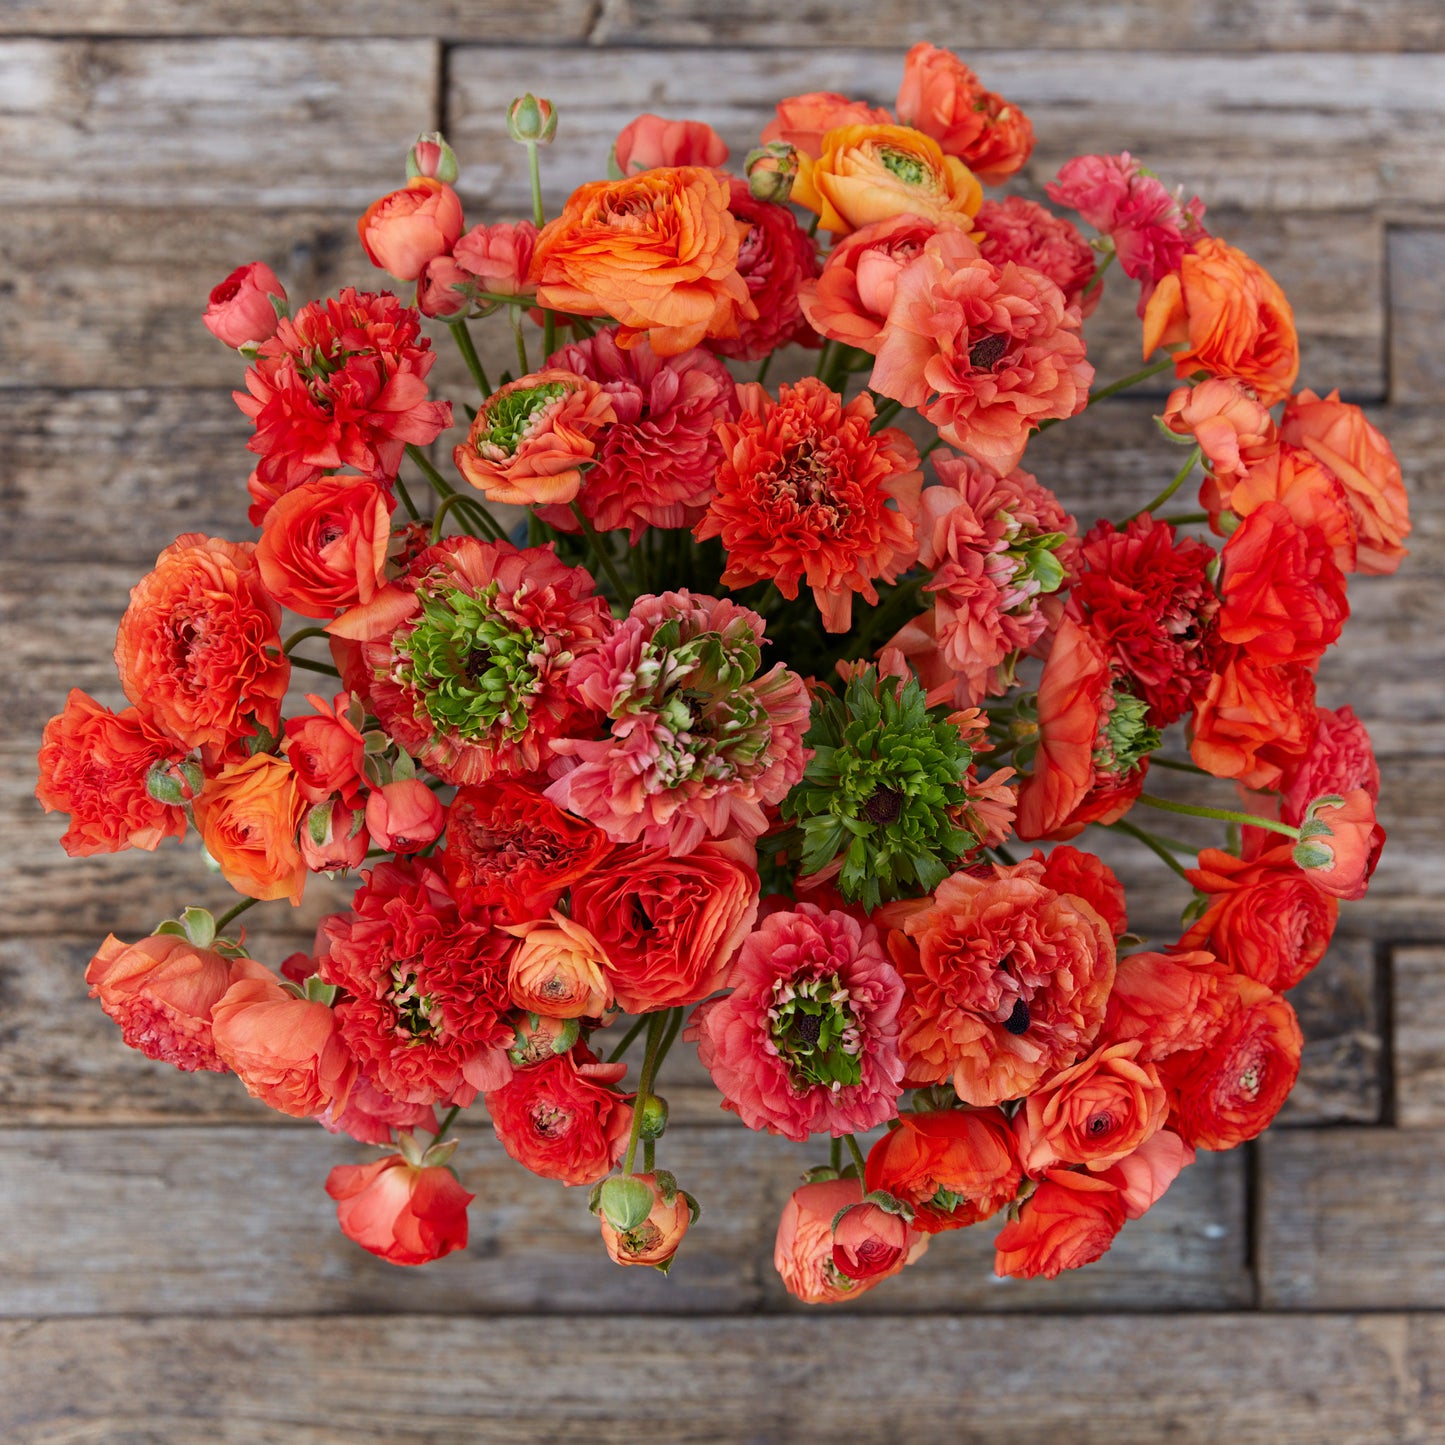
x,y
466,659
699,744
882,797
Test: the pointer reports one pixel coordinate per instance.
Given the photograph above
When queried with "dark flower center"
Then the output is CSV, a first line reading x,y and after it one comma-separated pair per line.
x,y
984,353
1018,1021
884,807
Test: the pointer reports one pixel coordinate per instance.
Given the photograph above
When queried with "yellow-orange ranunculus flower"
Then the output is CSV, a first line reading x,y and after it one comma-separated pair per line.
x,y
658,251
248,815
558,969
869,173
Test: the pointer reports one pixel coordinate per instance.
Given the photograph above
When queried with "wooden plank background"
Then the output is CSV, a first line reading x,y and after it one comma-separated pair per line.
x,y
169,1271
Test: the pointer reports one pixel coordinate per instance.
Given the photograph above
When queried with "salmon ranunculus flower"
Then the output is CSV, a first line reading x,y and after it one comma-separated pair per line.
x,y
404,1213
1307,489
1229,317
402,231
558,969
1070,1220
1340,437
326,750
651,141
656,1239
943,98
1352,845
1166,1002
199,647
248,815
1022,231
869,173
808,491
657,252
1232,426
1340,759
802,121
404,815
531,438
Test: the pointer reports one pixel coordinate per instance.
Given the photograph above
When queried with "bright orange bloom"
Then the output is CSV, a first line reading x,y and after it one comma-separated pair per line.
x,y
1253,720
1229,317
806,491
1303,486
869,173
248,815
658,251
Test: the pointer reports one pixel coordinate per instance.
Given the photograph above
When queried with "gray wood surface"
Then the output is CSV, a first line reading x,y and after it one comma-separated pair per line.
x,y
169,1267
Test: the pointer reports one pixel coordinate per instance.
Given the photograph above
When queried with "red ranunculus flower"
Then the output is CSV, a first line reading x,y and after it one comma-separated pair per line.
x,y
95,765
1340,758
1086,876
1352,845
1070,1220
402,1212
326,750
562,1118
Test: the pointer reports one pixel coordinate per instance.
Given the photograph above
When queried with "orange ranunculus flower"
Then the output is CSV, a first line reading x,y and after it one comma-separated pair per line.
x,y
199,647
870,173
943,98
1340,437
1232,426
1166,1002
323,545
1229,317
558,969
1254,720
248,815
1094,1113
1353,844
287,1051
658,251
1070,1220
531,438
1265,918
954,1166
1303,486
656,1239
802,121
402,231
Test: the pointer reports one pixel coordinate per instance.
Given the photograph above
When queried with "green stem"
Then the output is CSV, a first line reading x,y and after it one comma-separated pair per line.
x,y
1097,279
309,666
856,1152
521,342
1223,815
447,1123
447,503
1190,462
763,370
534,173
932,446
604,557
835,1154
649,1155
301,634
440,485
1114,387
1149,841
1176,766
825,359
627,1039
656,1026
234,913
406,500
885,414
465,345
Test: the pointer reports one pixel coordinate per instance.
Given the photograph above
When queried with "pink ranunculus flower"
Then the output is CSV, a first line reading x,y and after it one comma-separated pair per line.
x,y
241,312
807,1041
651,141
1015,229
803,120
405,1213
404,816
497,257
403,231
1340,759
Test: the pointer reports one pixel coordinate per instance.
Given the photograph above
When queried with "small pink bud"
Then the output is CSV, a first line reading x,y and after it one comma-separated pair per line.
x,y
333,838
431,156
246,308
404,816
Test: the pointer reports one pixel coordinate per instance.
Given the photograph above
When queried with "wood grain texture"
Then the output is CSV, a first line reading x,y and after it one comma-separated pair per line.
x,y
1351,1219
1419,1012
1417,309
1090,1379
187,1220
211,122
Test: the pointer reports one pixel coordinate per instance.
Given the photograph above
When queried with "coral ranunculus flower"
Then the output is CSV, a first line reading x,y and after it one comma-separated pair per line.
x,y
558,969
1025,232
199,647
402,1212
1254,719
658,252
326,750
1166,1002
868,173
531,438
1232,426
241,312
943,98
1070,1220
248,815
807,491
803,1251
94,765
402,231
803,120
650,141
1226,315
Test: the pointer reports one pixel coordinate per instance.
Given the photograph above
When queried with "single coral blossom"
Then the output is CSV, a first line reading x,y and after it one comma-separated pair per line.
x,y
404,230
658,252
530,439
248,815
1019,230
943,98
161,992
372,1116
1225,314
96,765
985,352
242,310
1006,981
488,259
563,1118
199,647
809,490
807,1041
1232,426
867,173
869,1240
326,749
1293,479
558,969
654,464
1254,719
650,141
953,1166
323,545
402,1212
1339,436
1071,870
404,816
1342,860
655,1240
1340,759
1166,1002
669,926
802,121
469,660
333,837
700,745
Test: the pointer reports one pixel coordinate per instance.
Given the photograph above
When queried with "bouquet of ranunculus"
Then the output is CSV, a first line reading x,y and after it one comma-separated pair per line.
x,y
726,735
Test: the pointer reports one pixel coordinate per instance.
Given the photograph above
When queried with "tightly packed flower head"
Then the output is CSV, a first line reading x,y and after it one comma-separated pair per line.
x,y
469,659
657,251
807,490
807,1041
1019,230
699,744
248,814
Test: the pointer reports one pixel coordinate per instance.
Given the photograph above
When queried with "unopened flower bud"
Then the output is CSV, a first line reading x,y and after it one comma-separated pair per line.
x,y
625,1200
772,169
538,1037
654,1231
246,308
333,838
531,121
174,783
432,156
653,1109
404,816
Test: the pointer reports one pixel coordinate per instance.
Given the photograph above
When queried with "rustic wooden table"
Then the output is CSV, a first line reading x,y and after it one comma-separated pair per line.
x,y
169,1266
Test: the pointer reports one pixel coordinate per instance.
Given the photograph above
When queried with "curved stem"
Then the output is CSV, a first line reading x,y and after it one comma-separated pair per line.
x,y
1097,279
305,662
656,1025
604,557
1176,766
440,485
885,414
1190,462
835,1153
447,1123
1148,840
468,349
1223,815
234,913
856,1152
932,446
300,635
439,516
763,370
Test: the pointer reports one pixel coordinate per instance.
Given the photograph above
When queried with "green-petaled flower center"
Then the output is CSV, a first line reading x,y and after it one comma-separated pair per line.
x,y
816,1032
1126,736
509,416
945,1200
472,668
909,169
1037,571
413,1009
